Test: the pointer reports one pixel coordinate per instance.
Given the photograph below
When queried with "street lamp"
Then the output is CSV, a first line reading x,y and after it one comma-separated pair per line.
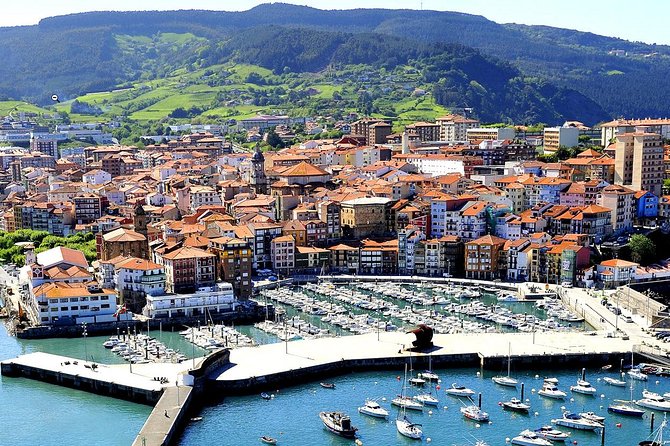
x,y
85,350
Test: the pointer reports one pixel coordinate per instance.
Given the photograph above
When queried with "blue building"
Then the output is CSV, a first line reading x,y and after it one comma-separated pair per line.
x,y
646,205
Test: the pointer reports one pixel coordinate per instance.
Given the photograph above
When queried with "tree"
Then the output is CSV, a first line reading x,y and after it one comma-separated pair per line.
x,y
642,249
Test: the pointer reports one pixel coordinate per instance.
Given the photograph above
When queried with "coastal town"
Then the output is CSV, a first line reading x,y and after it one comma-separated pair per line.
x,y
373,226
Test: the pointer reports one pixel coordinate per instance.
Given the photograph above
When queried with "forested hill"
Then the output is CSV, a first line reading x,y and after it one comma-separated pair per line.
x,y
522,73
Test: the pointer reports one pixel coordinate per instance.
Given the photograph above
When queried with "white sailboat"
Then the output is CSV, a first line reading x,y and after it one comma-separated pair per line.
x,y
583,386
506,380
429,375
406,402
403,424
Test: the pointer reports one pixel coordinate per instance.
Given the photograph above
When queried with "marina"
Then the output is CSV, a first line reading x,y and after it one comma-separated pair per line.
x,y
279,366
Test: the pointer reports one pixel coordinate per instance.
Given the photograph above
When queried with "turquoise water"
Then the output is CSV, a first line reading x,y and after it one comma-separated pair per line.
x,y
36,413
292,416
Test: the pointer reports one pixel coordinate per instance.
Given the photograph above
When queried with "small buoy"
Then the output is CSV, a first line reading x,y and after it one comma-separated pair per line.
x,y
572,400
602,395
383,398
430,412
532,390
601,407
537,414
537,376
574,441
477,426
499,403
490,423
375,383
428,440
507,440
478,373
528,400
658,382
598,379
562,407
358,442
445,407
398,377
437,387
618,425
272,396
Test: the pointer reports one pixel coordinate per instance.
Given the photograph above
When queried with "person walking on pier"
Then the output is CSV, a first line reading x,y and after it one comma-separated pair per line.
x,y
166,414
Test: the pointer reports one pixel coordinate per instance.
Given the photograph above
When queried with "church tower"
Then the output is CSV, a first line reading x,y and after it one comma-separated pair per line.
x,y
257,178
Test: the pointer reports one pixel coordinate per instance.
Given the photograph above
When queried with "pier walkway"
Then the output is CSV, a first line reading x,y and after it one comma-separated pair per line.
x,y
167,417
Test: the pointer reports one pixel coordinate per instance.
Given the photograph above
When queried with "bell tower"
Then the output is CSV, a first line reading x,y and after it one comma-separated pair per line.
x,y
257,178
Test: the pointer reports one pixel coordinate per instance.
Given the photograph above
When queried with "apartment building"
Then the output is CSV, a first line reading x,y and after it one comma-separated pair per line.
x,y
478,134
454,127
283,254
638,161
556,137
187,269
374,130
234,263
482,257
621,201
366,217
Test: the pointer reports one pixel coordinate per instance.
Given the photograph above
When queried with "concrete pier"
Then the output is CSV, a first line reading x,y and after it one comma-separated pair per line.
x,y
167,419
84,375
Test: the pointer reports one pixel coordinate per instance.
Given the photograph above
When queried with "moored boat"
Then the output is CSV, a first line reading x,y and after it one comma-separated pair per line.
x,y
265,396
550,433
530,438
575,421
373,409
637,375
327,385
614,382
652,400
406,402
625,409
592,416
457,390
474,413
550,390
408,429
427,399
268,440
338,423
583,387
516,405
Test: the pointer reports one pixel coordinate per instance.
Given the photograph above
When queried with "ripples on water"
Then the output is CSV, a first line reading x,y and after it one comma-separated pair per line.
x,y
292,416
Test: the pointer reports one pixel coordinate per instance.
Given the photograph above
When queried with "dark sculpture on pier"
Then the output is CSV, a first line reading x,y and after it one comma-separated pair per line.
x,y
424,337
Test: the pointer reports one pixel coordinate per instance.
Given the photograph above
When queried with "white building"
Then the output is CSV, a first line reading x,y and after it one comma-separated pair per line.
x,y
555,137
207,300
95,177
485,133
436,165
76,303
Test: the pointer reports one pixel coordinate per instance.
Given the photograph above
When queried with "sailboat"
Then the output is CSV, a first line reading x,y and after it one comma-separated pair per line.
x,y
429,375
506,380
403,424
621,407
635,372
657,439
583,386
415,380
403,401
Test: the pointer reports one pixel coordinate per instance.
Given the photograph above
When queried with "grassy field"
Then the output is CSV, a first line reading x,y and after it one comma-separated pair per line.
x,y
6,107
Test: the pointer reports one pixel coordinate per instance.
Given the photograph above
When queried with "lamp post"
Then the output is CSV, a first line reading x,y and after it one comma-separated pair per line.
x,y
85,349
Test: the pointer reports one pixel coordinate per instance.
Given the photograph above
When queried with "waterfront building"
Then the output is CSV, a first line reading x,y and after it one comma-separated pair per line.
x,y
206,301
344,259
621,201
187,269
283,254
616,272
234,260
64,303
482,257
136,278
379,257
311,259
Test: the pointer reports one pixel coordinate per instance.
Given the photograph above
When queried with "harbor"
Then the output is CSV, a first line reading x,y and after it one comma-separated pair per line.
x,y
381,347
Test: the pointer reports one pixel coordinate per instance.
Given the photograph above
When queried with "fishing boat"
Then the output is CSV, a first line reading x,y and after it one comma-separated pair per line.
x,y
614,382
550,433
516,405
268,440
373,409
457,390
530,438
266,396
575,421
549,390
652,400
592,416
621,408
327,385
506,380
338,423
475,413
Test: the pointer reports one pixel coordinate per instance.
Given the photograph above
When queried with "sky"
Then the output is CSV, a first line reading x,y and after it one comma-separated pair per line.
x,y
617,18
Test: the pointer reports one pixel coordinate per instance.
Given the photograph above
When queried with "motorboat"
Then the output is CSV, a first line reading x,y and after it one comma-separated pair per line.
x,y
507,298
652,400
576,421
637,375
474,413
417,382
268,440
373,409
592,416
551,433
427,399
111,342
583,387
266,396
551,380
614,382
327,385
457,390
338,423
530,438
622,408
408,429
429,376
516,405
550,390
195,419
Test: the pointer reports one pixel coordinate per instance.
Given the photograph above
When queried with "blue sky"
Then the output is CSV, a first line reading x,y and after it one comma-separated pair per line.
x,y
642,21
